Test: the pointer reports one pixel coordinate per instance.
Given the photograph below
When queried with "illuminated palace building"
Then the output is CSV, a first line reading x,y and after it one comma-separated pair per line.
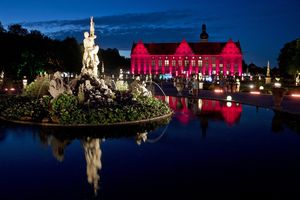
x,y
186,58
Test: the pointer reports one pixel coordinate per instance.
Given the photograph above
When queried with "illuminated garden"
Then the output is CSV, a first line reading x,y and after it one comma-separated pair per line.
x,y
86,100
178,119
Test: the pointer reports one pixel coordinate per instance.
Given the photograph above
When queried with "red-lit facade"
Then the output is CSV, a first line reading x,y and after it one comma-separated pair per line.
x,y
187,58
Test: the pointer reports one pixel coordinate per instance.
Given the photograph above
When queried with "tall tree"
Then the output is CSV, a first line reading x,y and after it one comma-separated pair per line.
x,y
17,29
289,58
2,30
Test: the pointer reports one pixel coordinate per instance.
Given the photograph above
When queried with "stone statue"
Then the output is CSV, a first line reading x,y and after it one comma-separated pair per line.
x,y
92,26
57,86
138,88
90,59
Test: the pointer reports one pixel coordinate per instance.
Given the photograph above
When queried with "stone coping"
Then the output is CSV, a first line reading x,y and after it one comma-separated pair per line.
x,y
137,122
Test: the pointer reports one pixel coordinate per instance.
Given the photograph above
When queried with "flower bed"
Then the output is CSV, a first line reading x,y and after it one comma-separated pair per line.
x,y
67,111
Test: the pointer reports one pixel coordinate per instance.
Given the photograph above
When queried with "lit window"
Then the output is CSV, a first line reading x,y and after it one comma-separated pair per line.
x,y
159,63
186,63
199,63
173,63
213,65
221,65
167,63
193,63
153,63
179,63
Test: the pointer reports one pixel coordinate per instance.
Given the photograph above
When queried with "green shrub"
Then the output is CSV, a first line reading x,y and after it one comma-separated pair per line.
x,y
64,107
38,88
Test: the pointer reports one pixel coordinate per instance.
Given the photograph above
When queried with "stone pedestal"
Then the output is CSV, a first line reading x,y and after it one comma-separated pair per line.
x,y
268,80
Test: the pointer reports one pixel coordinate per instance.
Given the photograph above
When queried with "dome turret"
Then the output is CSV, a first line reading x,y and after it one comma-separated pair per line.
x,y
204,36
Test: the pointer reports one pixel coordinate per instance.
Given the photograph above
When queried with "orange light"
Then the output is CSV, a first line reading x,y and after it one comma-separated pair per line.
x,y
218,91
255,92
296,95
12,89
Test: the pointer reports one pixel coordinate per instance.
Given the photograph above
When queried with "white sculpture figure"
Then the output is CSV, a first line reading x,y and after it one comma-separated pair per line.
x,y
138,88
90,58
57,86
92,26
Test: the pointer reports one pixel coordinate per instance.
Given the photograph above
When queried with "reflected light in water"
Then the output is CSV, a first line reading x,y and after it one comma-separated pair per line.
x,y
228,104
189,108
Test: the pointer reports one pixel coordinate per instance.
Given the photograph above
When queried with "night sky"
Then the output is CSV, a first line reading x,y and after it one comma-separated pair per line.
x,y
261,26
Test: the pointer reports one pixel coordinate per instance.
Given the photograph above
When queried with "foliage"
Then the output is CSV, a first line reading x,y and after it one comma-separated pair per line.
x,y
25,53
17,29
289,58
112,58
65,108
24,108
1,28
121,85
38,88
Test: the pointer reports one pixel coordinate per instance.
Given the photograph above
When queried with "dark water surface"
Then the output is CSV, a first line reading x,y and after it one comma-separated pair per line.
x,y
209,148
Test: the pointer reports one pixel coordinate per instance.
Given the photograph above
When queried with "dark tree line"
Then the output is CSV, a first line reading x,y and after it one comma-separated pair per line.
x,y
289,58
29,53
113,61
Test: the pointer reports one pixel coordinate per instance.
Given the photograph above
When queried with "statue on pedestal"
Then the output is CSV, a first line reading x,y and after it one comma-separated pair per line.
x,y
90,59
268,77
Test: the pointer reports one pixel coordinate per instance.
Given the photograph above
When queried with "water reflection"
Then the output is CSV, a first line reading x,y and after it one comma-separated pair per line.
x,y
188,109
205,109
92,153
59,139
281,120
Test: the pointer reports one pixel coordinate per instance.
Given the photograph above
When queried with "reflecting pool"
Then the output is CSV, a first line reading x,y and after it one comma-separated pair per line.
x,y
209,148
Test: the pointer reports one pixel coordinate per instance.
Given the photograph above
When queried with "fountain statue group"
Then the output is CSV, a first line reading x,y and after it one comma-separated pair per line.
x,y
88,79
90,59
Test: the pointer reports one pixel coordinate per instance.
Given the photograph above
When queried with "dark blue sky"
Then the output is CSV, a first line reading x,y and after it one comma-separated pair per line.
x,y
262,26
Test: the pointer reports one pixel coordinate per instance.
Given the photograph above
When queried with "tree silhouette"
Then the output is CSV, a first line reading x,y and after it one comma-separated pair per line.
x,y
289,58
25,53
17,29
1,28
